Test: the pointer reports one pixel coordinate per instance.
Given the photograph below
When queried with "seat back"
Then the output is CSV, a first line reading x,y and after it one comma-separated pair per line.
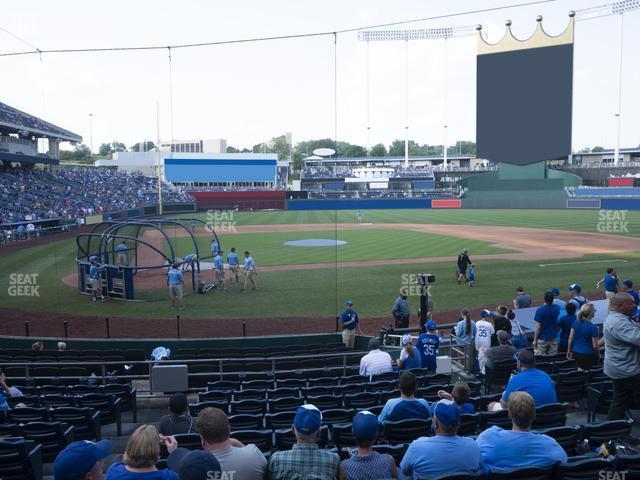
x,y
551,415
246,421
405,431
567,437
260,438
499,419
529,473
587,469
598,433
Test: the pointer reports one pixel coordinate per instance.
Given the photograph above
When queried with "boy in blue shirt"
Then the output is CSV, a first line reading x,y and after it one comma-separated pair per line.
x,y
472,275
427,345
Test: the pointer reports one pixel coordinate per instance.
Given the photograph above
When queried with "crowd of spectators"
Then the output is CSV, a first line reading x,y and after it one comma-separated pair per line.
x,y
385,194
69,193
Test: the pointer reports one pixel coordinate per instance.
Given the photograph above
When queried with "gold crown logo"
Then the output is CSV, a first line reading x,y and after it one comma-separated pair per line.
x,y
540,38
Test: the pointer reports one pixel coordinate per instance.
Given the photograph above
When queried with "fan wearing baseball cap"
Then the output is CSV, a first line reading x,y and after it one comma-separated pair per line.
x,y
305,460
82,460
427,457
535,382
366,463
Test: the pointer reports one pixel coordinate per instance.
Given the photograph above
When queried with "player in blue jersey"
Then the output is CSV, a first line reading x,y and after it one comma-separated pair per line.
x,y
95,279
215,247
249,271
427,345
175,281
218,271
189,261
234,264
121,250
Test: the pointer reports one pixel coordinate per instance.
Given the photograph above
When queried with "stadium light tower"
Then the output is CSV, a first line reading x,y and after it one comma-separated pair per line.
x,y
406,36
91,132
616,8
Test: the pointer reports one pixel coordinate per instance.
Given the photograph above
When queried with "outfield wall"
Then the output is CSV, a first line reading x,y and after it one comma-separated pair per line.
x,y
241,200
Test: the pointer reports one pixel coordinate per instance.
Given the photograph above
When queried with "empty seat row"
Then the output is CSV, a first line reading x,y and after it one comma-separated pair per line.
x,y
109,407
301,380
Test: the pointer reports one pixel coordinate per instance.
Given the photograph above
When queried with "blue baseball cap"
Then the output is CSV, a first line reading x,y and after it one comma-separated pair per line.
x,y
365,425
308,419
349,303
627,283
193,464
447,413
576,287
78,458
555,292
485,313
431,325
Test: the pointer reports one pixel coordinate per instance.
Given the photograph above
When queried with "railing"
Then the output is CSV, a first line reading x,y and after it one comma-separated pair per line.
x,y
457,352
104,367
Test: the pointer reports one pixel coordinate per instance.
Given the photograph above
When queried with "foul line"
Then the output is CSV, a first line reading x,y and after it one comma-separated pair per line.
x,y
575,263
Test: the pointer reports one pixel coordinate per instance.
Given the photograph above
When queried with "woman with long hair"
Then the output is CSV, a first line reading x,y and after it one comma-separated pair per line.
x,y
140,458
583,339
409,357
465,331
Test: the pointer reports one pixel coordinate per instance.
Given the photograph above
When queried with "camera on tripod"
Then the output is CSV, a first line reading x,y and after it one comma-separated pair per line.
x,y
425,278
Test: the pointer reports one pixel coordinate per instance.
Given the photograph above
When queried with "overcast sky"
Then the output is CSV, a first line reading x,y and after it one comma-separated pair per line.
x,y
248,93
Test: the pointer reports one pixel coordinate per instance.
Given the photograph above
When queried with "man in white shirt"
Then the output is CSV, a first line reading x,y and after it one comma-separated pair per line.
x,y
376,361
484,330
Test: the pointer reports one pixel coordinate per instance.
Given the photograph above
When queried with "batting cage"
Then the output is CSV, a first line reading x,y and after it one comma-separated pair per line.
x,y
134,257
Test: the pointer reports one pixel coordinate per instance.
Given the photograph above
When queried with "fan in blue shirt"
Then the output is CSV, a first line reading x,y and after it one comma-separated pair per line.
x,y
546,318
407,406
431,457
531,380
565,322
627,287
518,448
427,345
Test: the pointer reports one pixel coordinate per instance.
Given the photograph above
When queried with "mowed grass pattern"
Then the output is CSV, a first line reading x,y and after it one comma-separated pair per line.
x,y
573,220
369,244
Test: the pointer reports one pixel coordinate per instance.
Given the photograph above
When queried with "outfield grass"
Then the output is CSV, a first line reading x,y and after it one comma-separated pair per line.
x,y
575,220
323,292
369,244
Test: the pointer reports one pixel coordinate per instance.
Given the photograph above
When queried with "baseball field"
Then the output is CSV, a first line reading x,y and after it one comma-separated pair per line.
x,y
302,288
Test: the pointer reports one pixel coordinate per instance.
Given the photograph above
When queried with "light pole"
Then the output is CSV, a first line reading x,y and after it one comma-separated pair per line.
x,y
615,8
91,132
406,35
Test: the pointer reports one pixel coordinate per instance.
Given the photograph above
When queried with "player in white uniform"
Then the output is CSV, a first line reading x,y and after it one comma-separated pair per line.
x,y
484,331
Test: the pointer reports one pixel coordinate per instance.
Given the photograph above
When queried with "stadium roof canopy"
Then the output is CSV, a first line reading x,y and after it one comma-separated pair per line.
x,y
17,121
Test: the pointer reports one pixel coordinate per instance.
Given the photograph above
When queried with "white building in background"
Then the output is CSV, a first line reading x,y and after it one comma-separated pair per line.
x,y
212,145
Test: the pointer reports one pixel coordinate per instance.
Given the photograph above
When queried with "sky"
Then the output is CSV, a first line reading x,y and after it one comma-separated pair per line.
x,y
248,93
